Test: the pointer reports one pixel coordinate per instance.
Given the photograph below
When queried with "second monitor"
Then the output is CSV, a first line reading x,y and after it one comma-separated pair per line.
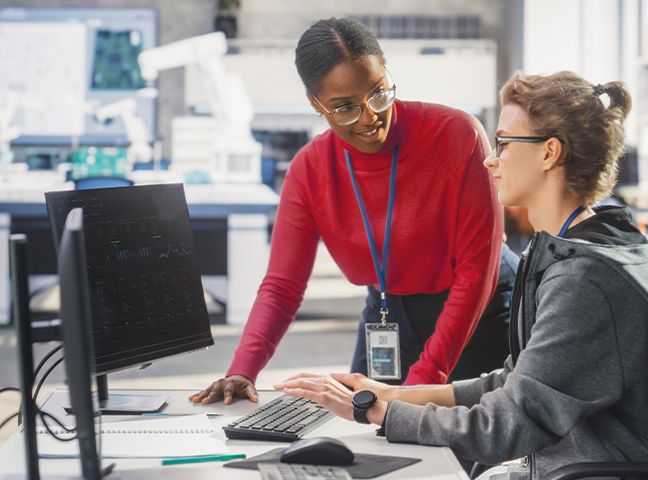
x,y
146,295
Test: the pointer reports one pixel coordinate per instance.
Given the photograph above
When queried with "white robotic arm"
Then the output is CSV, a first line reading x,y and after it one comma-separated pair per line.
x,y
229,101
138,135
14,100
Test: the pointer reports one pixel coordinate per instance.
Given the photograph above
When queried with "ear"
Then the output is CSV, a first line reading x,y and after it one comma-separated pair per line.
x,y
553,150
314,104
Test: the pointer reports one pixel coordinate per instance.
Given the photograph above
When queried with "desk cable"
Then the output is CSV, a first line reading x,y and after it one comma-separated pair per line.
x,y
39,412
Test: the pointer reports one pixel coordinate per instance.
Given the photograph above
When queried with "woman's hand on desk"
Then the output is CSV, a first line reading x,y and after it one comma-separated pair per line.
x,y
329,393
357,382
234,385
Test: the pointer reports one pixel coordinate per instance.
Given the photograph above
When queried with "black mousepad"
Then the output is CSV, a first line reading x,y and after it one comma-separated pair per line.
x,y
364,465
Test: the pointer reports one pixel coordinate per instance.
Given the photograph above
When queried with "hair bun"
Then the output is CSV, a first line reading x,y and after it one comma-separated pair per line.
x,y
619,96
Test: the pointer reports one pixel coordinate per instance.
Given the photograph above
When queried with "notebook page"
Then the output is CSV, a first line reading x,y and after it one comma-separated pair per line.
x,y
165,437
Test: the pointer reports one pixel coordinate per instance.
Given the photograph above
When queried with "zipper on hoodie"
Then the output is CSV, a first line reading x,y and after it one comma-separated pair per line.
x,y
514,337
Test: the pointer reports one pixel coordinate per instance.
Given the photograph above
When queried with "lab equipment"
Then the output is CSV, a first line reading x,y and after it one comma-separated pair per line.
x,y
221,143
136,130
84,54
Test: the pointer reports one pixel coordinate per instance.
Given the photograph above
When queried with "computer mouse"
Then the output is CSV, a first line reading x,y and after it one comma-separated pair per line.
x,y
318,451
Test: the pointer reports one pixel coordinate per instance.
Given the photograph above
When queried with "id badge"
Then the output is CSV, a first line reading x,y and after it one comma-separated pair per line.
x,y
383,351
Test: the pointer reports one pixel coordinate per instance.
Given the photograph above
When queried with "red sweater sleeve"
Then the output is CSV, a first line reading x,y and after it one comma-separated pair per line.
x,y
478,248
292,255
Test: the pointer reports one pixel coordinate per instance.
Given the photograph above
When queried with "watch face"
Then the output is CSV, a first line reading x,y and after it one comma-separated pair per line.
x,y
364,397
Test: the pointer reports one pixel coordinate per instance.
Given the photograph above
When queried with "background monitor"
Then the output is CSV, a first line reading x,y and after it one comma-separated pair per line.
x,y
146,296
71,59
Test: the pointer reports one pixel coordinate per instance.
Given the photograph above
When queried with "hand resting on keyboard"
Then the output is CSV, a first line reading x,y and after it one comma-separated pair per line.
x,y
331,394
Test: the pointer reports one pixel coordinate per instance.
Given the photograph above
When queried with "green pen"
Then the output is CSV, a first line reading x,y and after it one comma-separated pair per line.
x,y
208,458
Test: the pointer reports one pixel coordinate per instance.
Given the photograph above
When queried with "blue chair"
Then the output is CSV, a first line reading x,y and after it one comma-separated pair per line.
x,y
101,182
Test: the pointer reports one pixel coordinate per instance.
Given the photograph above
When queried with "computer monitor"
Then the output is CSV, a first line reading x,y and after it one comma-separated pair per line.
x,y
146,296
71,59
22,321
76,331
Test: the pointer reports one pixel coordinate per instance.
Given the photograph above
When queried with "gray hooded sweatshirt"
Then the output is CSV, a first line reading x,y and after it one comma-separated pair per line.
x,y
575,388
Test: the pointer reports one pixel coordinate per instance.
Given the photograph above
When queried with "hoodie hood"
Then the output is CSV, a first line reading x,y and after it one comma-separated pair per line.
x,y
612,225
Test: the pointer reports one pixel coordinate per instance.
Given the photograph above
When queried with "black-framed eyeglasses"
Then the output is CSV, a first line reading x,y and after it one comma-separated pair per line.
x,y
348,114
500,142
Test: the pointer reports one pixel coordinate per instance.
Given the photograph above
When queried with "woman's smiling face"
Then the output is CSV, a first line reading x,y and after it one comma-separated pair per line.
x,y
355,82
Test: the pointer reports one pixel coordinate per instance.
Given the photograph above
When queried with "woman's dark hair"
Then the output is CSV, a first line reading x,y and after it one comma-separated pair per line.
x,y
568,107
330,42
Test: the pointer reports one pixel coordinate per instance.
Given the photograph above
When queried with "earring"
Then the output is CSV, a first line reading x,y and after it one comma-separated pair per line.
x,y
319,114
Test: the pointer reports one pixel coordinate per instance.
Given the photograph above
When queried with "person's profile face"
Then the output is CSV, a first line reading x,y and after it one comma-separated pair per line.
x,y
355,82
517,169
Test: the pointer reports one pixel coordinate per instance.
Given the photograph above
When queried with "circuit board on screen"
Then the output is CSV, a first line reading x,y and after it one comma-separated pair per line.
x,y
115,64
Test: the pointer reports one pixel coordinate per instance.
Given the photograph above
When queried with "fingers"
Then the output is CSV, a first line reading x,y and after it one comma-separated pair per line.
x,y
211,392
334,400
296,382
319,384
212,396
228,388
303,393
349,379
304,375
252,393
228,393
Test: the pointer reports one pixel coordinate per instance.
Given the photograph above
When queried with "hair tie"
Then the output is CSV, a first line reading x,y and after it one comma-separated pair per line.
x,y
599,90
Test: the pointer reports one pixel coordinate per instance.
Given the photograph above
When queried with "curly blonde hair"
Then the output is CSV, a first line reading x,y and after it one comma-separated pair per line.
x,y
568,107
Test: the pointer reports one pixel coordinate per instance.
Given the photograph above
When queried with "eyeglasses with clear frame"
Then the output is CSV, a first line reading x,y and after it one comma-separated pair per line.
x,y
500,142
348,114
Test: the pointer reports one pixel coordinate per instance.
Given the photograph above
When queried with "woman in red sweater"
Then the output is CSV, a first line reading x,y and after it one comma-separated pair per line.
x,y
413,167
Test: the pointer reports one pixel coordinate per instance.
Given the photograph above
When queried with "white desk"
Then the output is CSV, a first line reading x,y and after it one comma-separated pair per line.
x,y
437,463
245,206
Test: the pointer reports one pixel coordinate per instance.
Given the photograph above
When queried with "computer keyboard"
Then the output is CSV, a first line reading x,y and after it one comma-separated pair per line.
x,y
295,471
284,419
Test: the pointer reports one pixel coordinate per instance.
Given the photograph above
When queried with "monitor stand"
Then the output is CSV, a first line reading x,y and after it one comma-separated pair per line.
x,y
123,404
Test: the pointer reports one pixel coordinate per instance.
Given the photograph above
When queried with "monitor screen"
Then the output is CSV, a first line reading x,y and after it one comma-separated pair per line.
x,y
146,296
72,61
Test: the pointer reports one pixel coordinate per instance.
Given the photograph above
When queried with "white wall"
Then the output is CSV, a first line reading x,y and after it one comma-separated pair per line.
x,y
601,40
552,40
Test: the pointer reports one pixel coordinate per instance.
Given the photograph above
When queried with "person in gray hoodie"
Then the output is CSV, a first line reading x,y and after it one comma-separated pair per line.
x,y
575,387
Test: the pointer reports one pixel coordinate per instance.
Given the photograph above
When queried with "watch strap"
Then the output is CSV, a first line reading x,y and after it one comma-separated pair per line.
x,y
360,415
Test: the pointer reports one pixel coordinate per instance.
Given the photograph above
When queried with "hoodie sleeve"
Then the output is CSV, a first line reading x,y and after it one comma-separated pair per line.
x,y
469,392
569,370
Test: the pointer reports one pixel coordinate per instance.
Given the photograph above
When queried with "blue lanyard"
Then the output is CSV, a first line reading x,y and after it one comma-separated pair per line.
x,y
569,221
381,272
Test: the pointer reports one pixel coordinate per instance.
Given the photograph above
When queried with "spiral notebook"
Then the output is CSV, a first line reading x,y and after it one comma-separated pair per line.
x,y
167,437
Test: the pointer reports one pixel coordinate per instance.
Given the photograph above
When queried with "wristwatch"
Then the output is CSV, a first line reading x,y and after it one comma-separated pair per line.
x,y
362,401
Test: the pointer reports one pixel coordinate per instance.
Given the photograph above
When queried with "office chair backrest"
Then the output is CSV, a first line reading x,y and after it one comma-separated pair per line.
x,y
101,182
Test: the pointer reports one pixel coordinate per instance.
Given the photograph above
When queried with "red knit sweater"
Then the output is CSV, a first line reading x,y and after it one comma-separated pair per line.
x,y
446,230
